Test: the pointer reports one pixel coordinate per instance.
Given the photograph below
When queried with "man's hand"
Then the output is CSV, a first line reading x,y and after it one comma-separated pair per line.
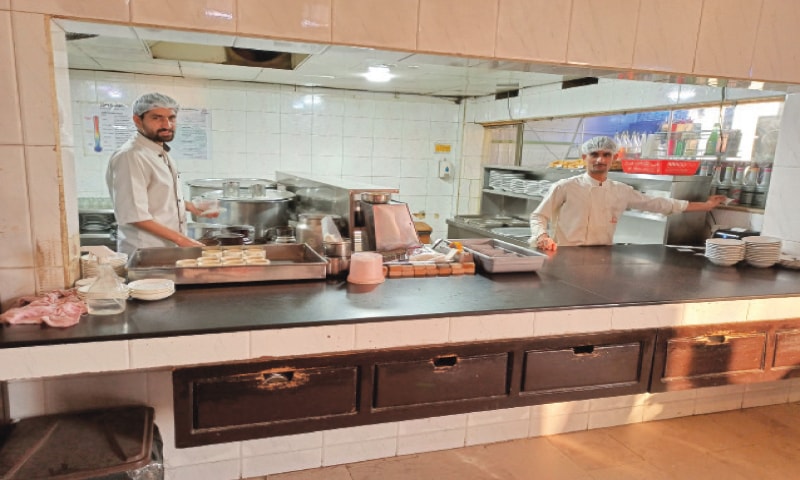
x,y
544,242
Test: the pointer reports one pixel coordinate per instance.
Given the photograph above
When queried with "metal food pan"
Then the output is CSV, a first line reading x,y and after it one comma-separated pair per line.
x,y
523,259
288,261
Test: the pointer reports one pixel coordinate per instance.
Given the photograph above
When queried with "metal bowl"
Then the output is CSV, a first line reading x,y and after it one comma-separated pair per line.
x,y
376,197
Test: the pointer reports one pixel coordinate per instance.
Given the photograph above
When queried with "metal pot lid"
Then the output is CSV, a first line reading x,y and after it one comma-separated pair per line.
x,y
217,182
269,196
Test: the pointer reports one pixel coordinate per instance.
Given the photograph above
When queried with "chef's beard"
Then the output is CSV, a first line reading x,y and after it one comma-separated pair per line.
x,y
157,136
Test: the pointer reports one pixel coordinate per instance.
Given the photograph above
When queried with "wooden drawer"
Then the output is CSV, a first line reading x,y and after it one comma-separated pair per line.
x,y
710,355
582,367
229,402
787,349
443,378
274,396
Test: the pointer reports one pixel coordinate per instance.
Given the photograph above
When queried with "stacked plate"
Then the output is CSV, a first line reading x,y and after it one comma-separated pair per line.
x,y
90,264
724,251
151,288
502,181
762,252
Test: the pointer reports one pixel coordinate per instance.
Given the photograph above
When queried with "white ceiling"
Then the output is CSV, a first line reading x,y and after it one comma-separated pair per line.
x,y
127,49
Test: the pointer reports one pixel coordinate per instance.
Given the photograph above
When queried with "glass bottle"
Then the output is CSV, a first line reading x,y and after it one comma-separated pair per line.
x,y
735,192
713,139
107,295
760,194
749,183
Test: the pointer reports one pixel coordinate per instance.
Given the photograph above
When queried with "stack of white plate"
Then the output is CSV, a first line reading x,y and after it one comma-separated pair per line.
x,y
83,291
90,264
724,251
762,252
151,288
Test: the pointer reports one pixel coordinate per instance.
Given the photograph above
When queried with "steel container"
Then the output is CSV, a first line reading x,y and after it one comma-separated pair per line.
x,y
263,213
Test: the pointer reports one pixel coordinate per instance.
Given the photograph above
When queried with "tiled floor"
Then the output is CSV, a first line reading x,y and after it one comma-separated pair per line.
x,y
757,443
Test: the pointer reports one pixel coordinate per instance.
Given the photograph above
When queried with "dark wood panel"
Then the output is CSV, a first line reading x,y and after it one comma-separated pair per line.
x,y
787,349
274,396
440,379
710,355
582,367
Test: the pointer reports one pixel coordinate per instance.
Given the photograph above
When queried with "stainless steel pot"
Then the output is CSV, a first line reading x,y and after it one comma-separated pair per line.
x,y
376,197
205,185
263,213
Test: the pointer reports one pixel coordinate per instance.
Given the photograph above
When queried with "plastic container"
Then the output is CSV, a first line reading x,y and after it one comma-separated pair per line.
x,y
366,268
660,167
107,295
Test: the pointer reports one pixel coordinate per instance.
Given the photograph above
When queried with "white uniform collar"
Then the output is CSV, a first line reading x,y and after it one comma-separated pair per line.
x,y
593,182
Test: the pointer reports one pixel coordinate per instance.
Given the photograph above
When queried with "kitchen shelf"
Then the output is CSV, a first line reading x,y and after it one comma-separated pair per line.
x,y
511,194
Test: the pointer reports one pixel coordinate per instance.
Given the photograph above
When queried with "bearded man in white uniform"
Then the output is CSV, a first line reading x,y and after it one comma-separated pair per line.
x,y
585,209
143,181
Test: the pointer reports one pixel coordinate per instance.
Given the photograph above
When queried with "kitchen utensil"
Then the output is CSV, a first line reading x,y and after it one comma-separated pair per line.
x,y
342,248
366,268
376,197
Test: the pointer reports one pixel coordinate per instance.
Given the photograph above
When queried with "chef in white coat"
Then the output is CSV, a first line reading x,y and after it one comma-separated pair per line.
x,y
585,209
143,181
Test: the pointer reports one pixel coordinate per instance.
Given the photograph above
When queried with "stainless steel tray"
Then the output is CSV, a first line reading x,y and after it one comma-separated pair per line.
x,y
288,261
517,259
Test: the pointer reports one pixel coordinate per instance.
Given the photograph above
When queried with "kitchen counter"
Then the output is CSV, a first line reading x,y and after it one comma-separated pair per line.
x,y
572,278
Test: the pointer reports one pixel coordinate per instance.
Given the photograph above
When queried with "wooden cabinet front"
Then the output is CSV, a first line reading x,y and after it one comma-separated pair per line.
x,y
589,366
441,378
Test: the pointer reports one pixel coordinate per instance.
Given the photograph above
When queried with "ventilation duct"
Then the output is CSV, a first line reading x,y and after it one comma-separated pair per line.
x,y
247,57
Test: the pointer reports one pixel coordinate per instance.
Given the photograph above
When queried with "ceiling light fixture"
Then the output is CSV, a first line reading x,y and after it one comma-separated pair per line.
x,y
378,73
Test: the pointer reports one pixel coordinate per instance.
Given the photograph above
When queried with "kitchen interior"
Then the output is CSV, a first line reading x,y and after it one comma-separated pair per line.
x,y
434,152
431,133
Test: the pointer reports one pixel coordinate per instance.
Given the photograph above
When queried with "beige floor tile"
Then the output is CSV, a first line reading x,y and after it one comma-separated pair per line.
x,y
338,472
521,459
446,465
594,449
631,471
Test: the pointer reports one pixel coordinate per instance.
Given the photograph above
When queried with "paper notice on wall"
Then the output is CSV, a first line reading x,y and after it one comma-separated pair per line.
x,y
109,125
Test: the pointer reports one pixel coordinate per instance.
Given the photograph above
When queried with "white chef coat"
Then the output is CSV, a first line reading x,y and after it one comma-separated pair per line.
x,y
143,183
584,211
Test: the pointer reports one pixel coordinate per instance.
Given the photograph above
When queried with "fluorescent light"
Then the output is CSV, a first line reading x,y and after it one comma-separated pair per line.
x,y
379,73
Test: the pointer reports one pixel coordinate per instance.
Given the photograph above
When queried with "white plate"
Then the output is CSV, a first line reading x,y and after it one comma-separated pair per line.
x,y
762,240
151,297
151,285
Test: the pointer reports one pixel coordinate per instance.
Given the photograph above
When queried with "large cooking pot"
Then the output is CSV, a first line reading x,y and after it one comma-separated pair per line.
x,y
263,213
206,185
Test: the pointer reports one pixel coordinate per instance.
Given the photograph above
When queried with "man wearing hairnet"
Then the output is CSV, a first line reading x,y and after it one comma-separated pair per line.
x,y
585,209
143,181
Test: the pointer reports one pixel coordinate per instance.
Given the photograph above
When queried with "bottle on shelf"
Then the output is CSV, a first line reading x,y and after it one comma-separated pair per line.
x,y
760,194
749,182
717,187
735,192
713,140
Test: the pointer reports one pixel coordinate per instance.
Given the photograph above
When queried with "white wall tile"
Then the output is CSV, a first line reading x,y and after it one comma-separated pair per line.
x,y
341,436
302,341
620,416
489,327
773,308
715,312
281,462
190,349
358,452
431,441
225,470
662,411
572,321
758,395
86,392
402,332
52,360
26,398
649,316
497,432
556,424
283,444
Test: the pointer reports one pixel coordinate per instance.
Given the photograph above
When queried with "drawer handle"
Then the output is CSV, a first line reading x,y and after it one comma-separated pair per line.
x,y
716,339
285,377
583,350
448,361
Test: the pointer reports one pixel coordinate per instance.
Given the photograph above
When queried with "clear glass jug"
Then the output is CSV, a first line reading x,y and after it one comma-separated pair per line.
x,y
107,295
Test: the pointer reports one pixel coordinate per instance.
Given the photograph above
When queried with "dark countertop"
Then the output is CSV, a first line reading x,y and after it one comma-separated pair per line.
x,y
574,277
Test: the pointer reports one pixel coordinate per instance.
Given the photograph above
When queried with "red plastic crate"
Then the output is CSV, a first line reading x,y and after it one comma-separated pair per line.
x,y
660,167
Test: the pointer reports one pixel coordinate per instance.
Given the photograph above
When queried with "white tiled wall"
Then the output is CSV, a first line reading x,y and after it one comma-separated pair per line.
x,y
258,129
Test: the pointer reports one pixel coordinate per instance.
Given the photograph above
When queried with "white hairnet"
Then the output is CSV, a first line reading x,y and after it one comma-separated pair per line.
x,y
598,144
149,101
